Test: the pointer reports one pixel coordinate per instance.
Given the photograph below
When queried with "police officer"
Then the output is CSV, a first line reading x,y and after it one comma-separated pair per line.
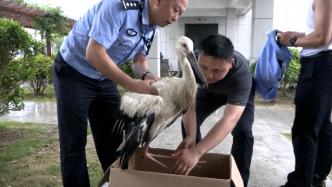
x,y
86,75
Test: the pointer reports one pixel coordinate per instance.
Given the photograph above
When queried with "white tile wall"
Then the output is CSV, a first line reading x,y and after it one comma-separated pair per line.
x,y
288,15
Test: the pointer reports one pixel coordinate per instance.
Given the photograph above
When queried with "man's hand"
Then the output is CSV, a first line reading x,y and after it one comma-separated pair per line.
x,y
185,161
285,37
144,87
187,143
151,76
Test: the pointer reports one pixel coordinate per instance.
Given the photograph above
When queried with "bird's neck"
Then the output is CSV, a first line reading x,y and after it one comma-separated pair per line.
x,y
187,71
189,88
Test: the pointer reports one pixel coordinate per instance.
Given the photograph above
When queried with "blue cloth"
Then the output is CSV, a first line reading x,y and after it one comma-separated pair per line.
x,y
118,30
271,66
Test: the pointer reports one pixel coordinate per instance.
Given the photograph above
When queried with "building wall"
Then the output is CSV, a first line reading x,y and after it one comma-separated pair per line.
x,y
288,15
242,40
236,28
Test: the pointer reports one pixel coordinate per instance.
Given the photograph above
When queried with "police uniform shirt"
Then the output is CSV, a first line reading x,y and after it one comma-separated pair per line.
x,y
116,25
236,85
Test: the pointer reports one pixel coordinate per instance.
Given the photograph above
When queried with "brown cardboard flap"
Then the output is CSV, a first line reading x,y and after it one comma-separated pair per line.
x,y
235,174
130,178
216,166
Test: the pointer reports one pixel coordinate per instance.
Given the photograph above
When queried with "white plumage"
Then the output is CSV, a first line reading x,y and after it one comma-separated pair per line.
x,y
148,115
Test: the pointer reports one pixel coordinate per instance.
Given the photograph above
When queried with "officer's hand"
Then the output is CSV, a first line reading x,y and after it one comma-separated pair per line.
x,y
151,77
144,87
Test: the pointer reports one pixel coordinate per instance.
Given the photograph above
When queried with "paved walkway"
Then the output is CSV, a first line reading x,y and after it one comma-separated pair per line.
x,y
273,154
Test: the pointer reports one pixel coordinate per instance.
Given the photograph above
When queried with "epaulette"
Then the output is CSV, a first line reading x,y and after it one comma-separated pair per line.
x,y
131,5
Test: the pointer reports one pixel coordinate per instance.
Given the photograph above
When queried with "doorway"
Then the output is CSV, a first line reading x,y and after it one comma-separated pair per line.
x,y
197,32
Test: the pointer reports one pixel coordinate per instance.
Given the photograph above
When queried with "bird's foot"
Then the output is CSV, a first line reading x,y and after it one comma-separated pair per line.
x,y
154,156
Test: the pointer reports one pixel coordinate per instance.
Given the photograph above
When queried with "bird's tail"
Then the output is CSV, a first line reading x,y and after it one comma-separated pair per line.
x,y
149,122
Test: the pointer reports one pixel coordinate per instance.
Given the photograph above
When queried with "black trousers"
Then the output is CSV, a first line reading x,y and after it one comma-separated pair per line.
x,y
243,140
79,99
312,128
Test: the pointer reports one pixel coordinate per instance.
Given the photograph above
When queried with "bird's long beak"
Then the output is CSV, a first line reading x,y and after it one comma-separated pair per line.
x,y
199,76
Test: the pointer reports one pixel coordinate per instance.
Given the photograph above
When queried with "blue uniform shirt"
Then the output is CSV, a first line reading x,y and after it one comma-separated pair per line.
x,y
118,30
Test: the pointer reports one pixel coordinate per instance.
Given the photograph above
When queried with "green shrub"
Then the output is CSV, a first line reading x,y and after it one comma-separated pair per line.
x,y
127,68
11,95
38,72
252,67
292,72
14,41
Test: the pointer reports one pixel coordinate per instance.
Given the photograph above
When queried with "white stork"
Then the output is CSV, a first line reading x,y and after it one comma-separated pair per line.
x,y
144,117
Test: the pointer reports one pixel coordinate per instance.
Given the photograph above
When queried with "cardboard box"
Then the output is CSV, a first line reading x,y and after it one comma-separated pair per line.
x,y
219,171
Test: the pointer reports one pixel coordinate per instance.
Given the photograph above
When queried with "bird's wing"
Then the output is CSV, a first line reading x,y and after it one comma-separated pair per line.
x,y
135,104
132,122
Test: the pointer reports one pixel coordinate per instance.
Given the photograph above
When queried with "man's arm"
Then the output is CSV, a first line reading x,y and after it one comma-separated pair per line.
x,y
96,54
140,67
322,34
189,122
186,159
221,129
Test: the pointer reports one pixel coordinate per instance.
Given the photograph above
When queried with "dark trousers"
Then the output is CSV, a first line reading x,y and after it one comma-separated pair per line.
x,y
243,140
312,128
80,98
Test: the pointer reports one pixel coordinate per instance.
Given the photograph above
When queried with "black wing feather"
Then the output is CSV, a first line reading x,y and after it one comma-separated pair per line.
x,y
134,129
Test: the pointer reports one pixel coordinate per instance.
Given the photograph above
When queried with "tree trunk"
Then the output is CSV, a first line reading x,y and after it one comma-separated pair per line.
x,y
49,47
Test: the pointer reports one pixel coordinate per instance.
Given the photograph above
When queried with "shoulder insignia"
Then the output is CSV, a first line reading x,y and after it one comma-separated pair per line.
x,y
131,5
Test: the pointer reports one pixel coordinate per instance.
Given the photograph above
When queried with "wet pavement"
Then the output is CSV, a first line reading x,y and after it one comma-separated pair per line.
x,y
37,112
273,153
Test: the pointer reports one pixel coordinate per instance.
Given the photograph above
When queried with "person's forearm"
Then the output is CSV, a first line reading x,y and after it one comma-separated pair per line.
x,y
216,135
140,65
322,35
99,59
189,122
299,34
221,129
312,40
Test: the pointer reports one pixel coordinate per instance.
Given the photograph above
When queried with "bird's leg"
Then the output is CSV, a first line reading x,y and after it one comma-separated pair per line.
x,y
151,156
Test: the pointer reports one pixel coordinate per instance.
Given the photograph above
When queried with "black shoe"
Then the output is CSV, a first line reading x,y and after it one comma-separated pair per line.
x,y
319,184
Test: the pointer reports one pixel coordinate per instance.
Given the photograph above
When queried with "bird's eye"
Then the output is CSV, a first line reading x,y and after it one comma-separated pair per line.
x,y
184,45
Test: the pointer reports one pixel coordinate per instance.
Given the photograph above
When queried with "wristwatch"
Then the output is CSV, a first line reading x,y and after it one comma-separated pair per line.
x,y
292,41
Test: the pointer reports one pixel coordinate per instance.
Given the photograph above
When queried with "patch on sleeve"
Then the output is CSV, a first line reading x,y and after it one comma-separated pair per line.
x,y
131,32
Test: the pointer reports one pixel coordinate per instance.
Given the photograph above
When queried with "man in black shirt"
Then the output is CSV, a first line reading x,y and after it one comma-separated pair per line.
x,y
230,84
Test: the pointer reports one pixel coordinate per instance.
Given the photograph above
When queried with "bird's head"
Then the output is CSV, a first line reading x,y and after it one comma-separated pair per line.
x,y
184,46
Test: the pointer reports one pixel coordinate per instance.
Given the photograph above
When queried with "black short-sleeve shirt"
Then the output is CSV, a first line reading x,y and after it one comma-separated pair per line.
x,y
236,85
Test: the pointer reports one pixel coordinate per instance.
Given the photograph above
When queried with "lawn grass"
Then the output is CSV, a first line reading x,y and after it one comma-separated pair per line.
x,y
29,156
